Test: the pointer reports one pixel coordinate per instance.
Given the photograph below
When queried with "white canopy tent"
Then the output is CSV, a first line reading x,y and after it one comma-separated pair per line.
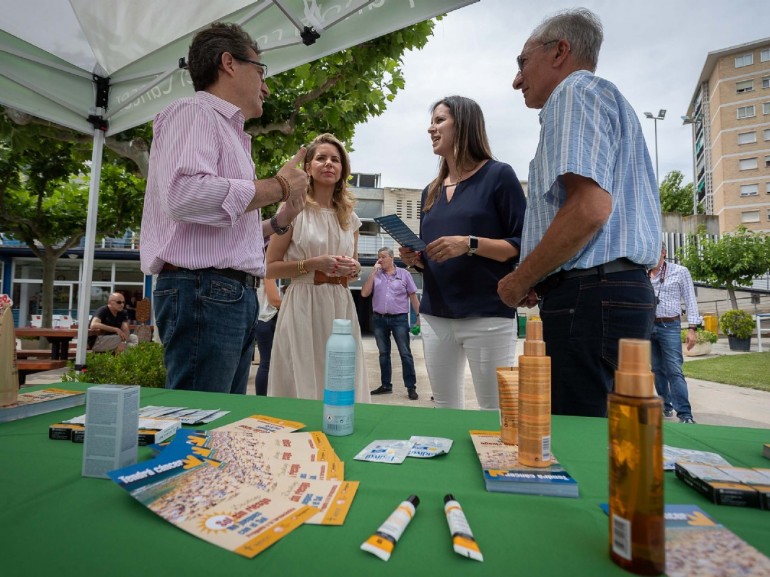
x,y
101,67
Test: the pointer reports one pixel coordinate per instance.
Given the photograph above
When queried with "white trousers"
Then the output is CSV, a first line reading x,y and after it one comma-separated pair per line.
x,y
486,343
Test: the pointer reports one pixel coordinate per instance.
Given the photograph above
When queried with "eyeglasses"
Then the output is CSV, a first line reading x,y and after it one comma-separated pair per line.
x,y
119,302
261,65
521,60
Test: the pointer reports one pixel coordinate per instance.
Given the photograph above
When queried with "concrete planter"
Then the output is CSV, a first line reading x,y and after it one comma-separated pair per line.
x,y
698,350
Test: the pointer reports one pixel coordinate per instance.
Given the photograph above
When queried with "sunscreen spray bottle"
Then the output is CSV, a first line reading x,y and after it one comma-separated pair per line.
x,y
534,399
339,382
637,538
384,540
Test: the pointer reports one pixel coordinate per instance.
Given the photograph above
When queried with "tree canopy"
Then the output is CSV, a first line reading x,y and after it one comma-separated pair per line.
x,y
731,261
674,197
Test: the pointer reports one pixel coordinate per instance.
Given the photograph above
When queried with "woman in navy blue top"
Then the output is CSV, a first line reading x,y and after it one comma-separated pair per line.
x,y
472,217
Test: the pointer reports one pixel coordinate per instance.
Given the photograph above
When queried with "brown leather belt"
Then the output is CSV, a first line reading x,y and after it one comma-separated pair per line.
x,y
667,319
322,278
246,279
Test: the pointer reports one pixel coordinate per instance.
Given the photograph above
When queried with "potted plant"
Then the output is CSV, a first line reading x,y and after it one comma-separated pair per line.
x,y
738,326
703,341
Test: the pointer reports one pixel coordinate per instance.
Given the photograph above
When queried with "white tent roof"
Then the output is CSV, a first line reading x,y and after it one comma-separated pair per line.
x,y
50,50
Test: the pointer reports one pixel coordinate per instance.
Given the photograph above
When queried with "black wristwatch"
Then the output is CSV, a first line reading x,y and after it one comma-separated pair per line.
x,y
473,245
279,230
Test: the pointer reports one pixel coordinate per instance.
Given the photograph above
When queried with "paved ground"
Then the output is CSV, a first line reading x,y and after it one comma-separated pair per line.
x,y
712,403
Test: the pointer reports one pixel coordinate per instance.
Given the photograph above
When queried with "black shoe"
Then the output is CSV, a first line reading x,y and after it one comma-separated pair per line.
x,y
413,396
687,420
381,391
668,413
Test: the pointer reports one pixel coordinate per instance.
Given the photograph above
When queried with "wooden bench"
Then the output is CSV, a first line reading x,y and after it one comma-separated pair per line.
x,y
30,366
33,353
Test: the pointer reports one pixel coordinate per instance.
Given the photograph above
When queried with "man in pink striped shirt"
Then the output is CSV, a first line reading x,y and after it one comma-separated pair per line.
x,y
202,231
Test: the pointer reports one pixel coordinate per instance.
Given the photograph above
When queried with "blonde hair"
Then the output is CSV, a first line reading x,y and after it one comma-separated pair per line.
x,y
343,200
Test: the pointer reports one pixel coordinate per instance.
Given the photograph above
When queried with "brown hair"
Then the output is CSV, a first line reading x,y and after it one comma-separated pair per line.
x,y
471,144
343,200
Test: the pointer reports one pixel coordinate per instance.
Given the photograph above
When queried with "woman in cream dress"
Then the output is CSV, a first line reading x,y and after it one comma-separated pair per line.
x,y
319,255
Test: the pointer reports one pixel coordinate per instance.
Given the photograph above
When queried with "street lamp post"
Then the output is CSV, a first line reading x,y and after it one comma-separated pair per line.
x,y
661,115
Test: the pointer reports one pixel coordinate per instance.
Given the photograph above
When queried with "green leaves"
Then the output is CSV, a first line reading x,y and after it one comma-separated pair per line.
x,y
674,197
732,260
140,365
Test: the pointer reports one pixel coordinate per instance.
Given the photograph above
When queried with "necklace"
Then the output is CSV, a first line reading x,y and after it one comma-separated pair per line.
x,y
456,182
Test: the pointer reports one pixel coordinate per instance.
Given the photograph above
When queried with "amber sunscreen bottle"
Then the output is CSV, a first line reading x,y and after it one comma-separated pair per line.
x,y
534,399
637,538
508,391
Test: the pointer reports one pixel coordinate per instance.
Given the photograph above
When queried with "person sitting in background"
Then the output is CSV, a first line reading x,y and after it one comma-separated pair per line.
x,y
269,299
112,323
672,284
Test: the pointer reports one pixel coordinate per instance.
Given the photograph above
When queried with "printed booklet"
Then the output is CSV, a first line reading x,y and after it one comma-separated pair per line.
x,y
504,473
41,402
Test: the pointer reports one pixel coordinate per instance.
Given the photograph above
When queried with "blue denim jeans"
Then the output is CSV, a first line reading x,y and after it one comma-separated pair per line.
x,y
583,319
207,324
265,335
667,362
398,326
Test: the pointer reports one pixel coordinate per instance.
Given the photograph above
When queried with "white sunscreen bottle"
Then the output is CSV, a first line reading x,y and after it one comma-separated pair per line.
x,y
385,538
462,537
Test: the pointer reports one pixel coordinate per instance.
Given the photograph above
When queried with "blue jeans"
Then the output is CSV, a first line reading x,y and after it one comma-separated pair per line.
x,y
398,326
207,324
265,334
667,362
583,319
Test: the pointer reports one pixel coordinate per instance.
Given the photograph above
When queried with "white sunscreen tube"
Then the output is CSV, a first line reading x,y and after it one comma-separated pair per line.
x,y
384,540
462,537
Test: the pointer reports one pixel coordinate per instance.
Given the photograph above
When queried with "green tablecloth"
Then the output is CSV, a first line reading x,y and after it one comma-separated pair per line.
x,y
55,522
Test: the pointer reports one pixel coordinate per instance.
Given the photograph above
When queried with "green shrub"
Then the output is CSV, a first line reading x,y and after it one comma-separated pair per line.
x,y
701,336
737,323
140,365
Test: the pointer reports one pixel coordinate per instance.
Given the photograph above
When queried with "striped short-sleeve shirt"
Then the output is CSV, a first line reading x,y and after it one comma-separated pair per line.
x,y
588,128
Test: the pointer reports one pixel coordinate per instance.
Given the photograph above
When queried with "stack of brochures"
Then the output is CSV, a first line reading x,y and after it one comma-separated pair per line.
x,y
41,402
723,485
504,473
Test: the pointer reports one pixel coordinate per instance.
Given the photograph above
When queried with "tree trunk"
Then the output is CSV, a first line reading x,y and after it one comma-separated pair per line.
x,y
733,300
48,258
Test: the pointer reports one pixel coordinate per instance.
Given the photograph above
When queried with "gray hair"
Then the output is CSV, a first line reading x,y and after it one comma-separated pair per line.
x,y
580,27
387,250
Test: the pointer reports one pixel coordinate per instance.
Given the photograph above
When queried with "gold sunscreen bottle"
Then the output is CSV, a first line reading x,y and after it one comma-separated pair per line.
x,y
534,399
508,393
637,536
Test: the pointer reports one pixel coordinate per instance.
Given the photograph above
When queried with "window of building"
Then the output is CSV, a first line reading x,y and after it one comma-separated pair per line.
x,y
767,161
744,60
767,133
767,188
746,111
747,163
766,108
749,189
766,82
409,209
750,216
764,55
747,137
744,86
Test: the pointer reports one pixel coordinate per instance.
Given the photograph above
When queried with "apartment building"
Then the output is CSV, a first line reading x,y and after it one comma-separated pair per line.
x,y
730,116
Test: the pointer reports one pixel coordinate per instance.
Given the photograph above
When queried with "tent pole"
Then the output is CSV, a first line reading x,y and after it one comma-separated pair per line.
x,y
84,298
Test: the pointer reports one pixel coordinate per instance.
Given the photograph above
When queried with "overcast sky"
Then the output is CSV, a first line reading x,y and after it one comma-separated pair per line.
x,y
654,51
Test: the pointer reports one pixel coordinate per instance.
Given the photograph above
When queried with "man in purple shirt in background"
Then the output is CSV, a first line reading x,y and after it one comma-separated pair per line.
x,y
202,231
393,288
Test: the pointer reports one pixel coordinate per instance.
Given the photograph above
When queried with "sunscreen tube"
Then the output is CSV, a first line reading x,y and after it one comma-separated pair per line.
x,y
462,537
385,538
